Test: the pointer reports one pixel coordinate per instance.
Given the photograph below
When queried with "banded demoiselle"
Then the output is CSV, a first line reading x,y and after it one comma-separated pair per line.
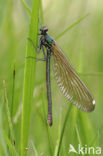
x,y
67,79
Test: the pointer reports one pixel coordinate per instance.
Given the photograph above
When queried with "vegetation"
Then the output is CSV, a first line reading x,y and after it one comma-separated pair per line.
x,y
77,27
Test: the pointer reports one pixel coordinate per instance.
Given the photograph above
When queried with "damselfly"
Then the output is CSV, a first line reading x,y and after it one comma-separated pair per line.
x,y
67,79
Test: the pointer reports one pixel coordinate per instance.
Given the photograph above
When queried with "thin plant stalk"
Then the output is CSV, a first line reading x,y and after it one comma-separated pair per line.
x,y
71,26
63,129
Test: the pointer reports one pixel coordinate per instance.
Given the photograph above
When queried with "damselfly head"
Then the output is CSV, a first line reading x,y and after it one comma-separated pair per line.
x,y
43,30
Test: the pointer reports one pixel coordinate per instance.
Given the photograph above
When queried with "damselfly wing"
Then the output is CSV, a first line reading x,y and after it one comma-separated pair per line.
x,y
69,82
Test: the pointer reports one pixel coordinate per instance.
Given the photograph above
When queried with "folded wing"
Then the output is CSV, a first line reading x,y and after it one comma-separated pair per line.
x,y
69,82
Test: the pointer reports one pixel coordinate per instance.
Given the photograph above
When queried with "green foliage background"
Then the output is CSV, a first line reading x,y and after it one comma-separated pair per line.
x,y
83,45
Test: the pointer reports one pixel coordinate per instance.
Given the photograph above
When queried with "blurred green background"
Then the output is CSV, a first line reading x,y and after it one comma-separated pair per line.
x,y
83,44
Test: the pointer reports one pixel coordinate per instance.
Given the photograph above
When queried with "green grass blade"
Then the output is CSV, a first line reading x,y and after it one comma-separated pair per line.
x,y
3,144
59,134
11,146
71,26
41,20
63,129
91,74
13,91
29,78
26,6
78,136
34,149
8,113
